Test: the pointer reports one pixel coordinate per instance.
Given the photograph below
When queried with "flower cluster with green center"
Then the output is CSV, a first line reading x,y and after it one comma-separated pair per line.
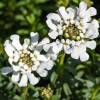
x,y
25,59
72,30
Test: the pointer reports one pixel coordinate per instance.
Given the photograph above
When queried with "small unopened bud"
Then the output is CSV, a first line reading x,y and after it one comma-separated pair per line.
x,y
66,35
73,37
80,31
20,60
67,25
47,96
28,52
22,55
78,38
49,88
64,27
66,30
81,24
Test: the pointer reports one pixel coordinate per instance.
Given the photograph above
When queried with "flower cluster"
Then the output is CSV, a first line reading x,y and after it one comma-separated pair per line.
x,y
26,59
73,30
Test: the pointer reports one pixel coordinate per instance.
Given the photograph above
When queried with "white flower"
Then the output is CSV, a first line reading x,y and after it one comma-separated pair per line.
x,y
78,31
25,59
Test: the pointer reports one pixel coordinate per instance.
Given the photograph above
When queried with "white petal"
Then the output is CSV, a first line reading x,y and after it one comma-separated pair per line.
x,y
23,81
47,46
91,11
9,51
10,60
14,37
95,23
75,53
82,9
67,49
34,67
34,37
25,67
33,80
60,32
82,35
53,34
83,55
63,12
17,44
26,43
91,44
15,77
44,41
51,54
49,64
42,58
42,72
16,56
39,47
15,68
51,25
86,19
54,16
92,33
21,64
7,42
57,48
6,70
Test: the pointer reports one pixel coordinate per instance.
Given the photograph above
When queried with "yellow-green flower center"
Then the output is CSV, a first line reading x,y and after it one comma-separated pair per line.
x,y
26,59
71,32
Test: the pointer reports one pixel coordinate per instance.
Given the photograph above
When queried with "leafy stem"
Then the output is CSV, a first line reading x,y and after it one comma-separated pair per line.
x,y
25,91
60,64
96,89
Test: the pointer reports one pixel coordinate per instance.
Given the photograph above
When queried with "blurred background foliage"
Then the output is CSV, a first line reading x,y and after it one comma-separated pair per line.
x,y
81,80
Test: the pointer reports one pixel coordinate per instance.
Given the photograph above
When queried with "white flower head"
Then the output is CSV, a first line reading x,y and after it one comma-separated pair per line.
x,y
75,30
25,59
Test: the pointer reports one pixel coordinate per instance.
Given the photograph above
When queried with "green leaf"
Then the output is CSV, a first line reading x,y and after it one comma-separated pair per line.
x,y
53,78
14,97
20,3
80,67
30,18
76,1
22,96
20,17
31,87
66,89
9,86
2,5
36,94
90,78
40,1
71,69
22,31
55,97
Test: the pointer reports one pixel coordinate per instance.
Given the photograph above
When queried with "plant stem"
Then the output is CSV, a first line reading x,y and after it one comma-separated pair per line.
x,y
60,64
97,88
25,91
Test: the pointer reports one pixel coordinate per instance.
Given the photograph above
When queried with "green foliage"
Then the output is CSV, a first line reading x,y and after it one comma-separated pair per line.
x,y
80,81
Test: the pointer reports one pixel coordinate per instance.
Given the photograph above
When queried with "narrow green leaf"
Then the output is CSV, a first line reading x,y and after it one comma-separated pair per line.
x,y
71,69
2,5
90,78
22,31
76,1
56,97
14,97
66,89
53,77
22,96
